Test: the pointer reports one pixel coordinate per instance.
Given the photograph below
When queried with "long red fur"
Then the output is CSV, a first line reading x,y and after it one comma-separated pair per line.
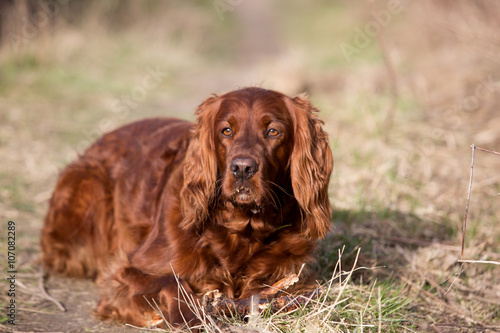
x,y
159,197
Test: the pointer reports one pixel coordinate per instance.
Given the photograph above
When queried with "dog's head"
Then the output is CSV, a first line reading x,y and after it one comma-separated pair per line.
x,y
250,148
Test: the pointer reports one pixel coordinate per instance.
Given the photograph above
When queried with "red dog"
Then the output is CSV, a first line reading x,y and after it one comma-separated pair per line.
x,y
234,202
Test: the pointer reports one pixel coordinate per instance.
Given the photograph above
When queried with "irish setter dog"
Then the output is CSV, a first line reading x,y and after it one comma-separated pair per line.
x,y
234,202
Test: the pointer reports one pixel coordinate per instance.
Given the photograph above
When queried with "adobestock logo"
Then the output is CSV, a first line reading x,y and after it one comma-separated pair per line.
x,y
124,105
451,119
32,23
137,94
456,115
363,37
223,6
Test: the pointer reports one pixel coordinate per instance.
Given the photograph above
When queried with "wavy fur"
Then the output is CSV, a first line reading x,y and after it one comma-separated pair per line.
x,y
234,202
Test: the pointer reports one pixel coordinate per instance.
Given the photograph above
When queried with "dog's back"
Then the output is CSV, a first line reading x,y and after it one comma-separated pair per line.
x,y
90,216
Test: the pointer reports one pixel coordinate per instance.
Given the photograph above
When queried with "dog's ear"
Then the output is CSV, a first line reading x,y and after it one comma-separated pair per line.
x,y
200,166
311,165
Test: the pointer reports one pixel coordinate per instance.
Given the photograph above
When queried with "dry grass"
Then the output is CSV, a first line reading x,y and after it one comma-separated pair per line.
x,y
342,306
399,188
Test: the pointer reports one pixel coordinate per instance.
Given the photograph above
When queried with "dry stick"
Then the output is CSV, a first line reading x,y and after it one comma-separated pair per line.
x,y
457,276
480,262
468,200
467,208
45,293
488,151
379,311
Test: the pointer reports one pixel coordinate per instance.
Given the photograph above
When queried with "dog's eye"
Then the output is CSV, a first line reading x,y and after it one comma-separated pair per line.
x,y
227,131
273,132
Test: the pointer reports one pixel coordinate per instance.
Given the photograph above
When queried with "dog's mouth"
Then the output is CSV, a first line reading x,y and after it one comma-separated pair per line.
x,y
243,195
244,198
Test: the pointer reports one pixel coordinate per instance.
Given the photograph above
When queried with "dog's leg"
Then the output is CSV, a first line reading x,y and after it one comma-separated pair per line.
x,y
131,296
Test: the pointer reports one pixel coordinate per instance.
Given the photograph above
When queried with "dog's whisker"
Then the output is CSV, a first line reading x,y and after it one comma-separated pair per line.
x,y
281,188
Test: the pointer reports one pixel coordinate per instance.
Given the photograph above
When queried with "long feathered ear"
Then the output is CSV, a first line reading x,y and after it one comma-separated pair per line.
x,y
311,165
200,166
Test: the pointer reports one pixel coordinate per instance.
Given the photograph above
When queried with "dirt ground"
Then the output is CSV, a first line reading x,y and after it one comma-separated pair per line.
x,y
78,297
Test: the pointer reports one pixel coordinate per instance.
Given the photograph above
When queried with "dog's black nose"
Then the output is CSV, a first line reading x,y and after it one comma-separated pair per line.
x,y
243,167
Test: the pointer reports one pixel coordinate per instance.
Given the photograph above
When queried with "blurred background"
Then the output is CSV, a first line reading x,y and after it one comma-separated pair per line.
x,y
404,87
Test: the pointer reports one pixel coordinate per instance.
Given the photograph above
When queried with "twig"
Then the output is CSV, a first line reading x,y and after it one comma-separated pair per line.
x,y
468,200
457,276
479,262
488,151
468,195
39,294
352,325
44,292
379,311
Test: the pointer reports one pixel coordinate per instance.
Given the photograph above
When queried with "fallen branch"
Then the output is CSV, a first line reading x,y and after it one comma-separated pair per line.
x,y
45,294
41,292
488,151
215,303
464,227
468,200
479,262
241,307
